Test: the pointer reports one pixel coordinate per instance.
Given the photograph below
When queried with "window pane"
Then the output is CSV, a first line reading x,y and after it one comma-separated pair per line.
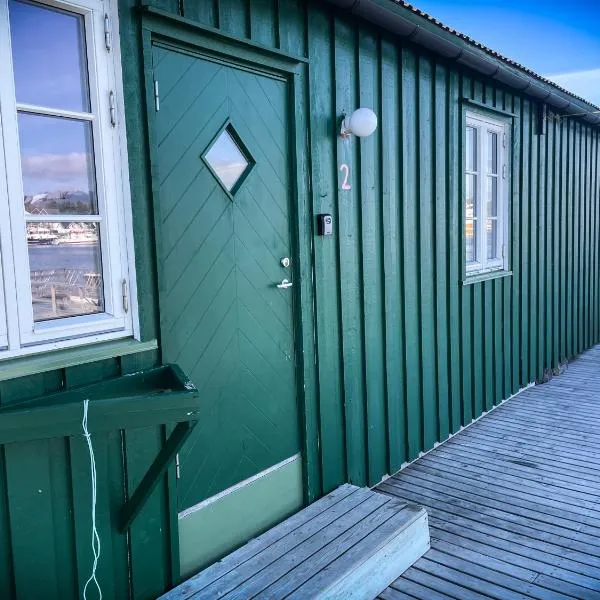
x,y
492,197
65,269
492,152
49,58
471,240
57,162
471,149
470,196
491,229
227,160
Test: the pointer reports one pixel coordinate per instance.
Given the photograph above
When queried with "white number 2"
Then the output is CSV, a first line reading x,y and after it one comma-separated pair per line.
x,y
346,170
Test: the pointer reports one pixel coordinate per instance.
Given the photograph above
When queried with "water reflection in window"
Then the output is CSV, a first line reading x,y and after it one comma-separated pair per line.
x,y
57,164
65,269
49,58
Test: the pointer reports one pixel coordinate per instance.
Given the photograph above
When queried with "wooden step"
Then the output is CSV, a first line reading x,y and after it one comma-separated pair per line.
x,y
350,544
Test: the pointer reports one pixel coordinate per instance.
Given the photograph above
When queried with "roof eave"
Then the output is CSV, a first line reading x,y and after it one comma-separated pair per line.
x,y
422,31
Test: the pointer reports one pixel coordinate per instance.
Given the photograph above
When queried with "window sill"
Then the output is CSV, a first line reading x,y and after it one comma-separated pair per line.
x,y
11,368
479,277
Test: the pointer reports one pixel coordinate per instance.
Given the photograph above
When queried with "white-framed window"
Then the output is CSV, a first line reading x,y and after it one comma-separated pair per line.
x,y
486,187
66,250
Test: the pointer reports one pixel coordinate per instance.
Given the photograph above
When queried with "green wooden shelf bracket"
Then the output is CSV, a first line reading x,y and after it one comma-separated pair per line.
x,y
153,397
150,480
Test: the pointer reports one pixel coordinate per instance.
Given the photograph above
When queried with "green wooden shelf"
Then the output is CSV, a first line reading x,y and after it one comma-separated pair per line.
x,y
153,397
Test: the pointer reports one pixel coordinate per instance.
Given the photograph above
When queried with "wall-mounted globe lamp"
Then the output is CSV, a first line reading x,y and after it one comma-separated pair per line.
x,y
361,123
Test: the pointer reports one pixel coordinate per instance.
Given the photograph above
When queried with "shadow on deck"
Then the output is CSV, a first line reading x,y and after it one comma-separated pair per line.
x,y
514,500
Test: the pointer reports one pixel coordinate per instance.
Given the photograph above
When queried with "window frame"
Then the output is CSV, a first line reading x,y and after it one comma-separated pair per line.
x,y
485,124
24,335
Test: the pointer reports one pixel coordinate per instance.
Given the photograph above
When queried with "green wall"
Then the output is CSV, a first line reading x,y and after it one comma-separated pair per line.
x,y
45,502
404,354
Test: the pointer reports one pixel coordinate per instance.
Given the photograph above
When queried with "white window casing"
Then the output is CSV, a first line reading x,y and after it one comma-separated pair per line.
x,y
20,331
485,230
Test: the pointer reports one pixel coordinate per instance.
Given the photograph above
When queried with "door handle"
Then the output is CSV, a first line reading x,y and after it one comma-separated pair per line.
x,y
285,284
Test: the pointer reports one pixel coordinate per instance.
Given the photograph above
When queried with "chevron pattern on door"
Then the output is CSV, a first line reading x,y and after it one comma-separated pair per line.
x,y
223,320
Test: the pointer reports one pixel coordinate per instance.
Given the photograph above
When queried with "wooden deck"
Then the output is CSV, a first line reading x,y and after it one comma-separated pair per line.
x,y
514,500
349,545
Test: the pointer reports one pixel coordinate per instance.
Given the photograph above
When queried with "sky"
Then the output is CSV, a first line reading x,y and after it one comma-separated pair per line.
x,y
557,39
49,70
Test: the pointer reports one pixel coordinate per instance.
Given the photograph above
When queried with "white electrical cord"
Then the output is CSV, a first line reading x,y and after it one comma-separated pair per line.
x,y
95,536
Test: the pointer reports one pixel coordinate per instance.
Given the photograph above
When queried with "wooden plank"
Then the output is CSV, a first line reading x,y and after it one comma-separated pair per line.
x,y
300,580
28,478
391,549
349,215
481,513
555,479
264,27
494,499
473,556
264,541
454,247
534,519
416,590
392,264
477,358
589,475
496,551
7,582
410,223
513,549
442,585
426,252
532,202
543,504
489,335
494,579
112,570
526,489
151,568
524,169
541,428
326,555
541,442
442,240
342,515
517,533
371,229
392,594
326,256
544,442
269,567
468,581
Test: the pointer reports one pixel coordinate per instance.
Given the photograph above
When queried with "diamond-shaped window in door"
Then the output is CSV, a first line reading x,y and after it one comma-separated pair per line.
x,y
229,159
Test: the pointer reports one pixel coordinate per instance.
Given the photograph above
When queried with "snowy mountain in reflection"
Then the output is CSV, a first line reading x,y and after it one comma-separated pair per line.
x,y
67,202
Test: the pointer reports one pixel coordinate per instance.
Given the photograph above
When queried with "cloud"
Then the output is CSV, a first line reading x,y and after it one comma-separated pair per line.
x,y
62,168
582,83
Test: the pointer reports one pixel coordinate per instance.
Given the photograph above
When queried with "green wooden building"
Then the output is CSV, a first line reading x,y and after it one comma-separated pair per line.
x,y
169,171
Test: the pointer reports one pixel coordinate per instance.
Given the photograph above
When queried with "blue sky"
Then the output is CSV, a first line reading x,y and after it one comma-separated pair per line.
x,y
557,39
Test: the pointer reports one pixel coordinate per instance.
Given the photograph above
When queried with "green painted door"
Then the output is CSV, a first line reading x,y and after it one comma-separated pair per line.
x,y
225,172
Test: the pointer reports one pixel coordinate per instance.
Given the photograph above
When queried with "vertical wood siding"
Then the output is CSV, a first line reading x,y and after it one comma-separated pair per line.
x,y
407,354
420,353
45,503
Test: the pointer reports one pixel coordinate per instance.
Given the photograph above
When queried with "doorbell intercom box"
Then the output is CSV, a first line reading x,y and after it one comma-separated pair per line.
x,y
325,224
